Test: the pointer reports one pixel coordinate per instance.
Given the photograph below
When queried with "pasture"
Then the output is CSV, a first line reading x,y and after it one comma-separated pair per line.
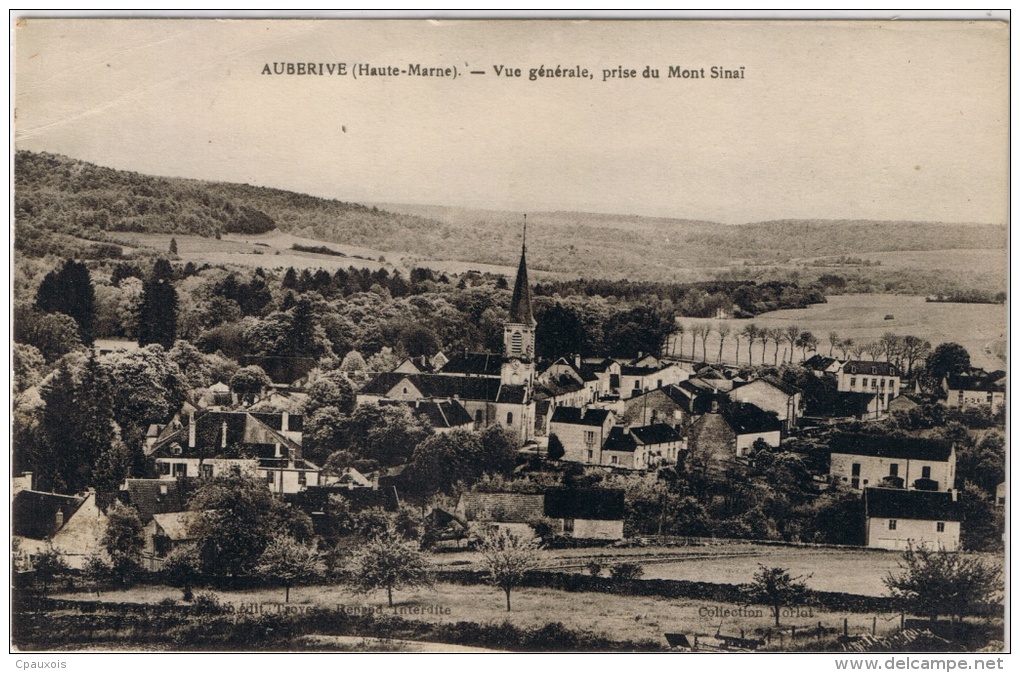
x,y
980,328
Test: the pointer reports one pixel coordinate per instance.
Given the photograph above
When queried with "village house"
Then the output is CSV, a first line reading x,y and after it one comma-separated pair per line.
x,y
898,519
881,379
717,439
642,447
582,432
670,404
771,394
649,373
71,525
589,514
913,463
567,382
820,365
156,496
211,443
164,533
607,370
976,388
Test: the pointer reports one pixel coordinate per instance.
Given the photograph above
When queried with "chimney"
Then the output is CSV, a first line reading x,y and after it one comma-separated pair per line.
x,y
285,422
223,440
577,361
954,492
191,430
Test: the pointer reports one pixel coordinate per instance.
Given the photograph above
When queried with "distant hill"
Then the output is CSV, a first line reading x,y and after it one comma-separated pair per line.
x,y
54,193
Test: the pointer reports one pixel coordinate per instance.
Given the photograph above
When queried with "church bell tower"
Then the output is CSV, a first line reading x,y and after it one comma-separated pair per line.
x,y
519,331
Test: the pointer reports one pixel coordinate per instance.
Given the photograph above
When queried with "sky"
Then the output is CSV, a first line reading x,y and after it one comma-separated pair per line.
x,y
834,120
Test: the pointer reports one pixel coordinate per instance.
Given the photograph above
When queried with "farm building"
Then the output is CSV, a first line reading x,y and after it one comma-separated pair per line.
x,y
975,389
771,394
898,519
918,463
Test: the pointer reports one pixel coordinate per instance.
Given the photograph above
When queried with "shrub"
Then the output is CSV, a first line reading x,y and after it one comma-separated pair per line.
x,y
627,570
207,603
594,567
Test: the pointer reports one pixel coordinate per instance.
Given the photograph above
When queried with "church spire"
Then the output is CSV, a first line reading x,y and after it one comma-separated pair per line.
x,y
520,303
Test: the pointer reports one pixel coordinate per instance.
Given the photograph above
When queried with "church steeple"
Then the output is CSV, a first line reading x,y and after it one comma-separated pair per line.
x,y
520,303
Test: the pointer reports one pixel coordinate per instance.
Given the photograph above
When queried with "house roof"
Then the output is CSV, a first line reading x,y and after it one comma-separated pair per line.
x,y
636,370
870,367
259,432
442,414
155,496
994,382
620,440
891,446
512,394
749,418
176,525
696,386
562,385
601,504
776,383
478,364
578,416
437,385
819,363
896,503
34,513
502,507
656,433
598,365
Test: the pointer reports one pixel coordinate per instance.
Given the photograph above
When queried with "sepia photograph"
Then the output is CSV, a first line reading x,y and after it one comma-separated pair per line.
x,y
457,335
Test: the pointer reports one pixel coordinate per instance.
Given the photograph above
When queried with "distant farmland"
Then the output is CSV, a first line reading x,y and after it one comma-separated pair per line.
x,y
980,328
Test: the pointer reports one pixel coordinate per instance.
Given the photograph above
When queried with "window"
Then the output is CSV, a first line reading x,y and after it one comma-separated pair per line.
x,y
207,470
883,383
855,469
302,479
894,470
892,524
614,460
926,472
516,342
180,469
269,477
589,437
590,455
940,527
874,383
405,390
478,419
853,382
864,382
509,418
568,526
164,468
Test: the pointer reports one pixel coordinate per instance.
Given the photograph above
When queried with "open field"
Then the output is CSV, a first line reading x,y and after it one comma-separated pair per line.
x,y
618,617
850,570
980,328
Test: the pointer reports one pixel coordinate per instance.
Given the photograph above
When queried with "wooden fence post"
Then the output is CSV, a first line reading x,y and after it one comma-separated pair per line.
x,y
874,624
846,627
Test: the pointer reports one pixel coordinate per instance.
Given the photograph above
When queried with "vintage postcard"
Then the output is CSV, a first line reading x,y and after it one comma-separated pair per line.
x,y
510,336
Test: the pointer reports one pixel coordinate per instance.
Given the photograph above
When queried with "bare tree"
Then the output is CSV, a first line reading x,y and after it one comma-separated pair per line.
x,y
750,331
696,331
845,345
857,349
736,348
791,333
834,342
764,336
774,334
805,341
706,329
681,328
723,330
874,349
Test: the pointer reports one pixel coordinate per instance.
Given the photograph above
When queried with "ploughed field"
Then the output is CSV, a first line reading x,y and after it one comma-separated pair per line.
x,y
980,328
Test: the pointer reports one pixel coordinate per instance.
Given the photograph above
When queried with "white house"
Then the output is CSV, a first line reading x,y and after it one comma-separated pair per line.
x,y
920,463
881,379
976,389
582,432
639,448
898,519
771,394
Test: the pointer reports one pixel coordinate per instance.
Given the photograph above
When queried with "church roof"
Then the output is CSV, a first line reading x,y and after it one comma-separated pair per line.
x,y
520,303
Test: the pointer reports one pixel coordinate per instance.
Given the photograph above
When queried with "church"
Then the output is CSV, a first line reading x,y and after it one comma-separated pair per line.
x,y
493,389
